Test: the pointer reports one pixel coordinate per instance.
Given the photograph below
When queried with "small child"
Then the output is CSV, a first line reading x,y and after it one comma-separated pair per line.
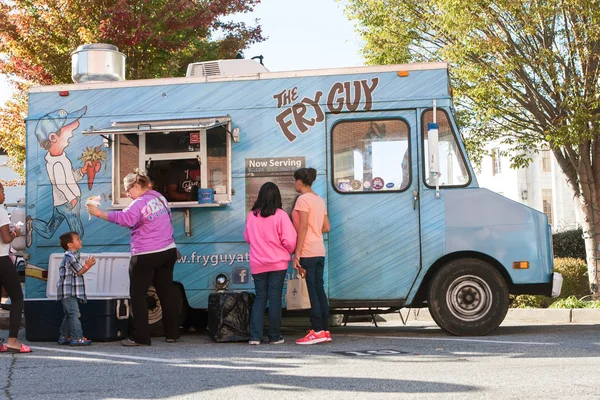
x,y
71,289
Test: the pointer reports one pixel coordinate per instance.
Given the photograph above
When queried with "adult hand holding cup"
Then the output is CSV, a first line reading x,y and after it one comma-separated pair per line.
x,y
92,202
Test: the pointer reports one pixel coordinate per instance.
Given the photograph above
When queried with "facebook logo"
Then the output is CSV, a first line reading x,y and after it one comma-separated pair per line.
x,y
240,275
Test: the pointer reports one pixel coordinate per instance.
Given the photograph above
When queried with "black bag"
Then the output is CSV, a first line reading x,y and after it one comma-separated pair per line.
x,y
229,316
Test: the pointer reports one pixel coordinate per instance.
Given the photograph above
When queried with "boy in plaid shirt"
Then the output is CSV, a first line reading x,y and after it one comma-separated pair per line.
x,y
71,289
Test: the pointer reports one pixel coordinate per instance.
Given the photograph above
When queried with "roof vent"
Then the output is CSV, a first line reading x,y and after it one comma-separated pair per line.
x,y
225,68
97,62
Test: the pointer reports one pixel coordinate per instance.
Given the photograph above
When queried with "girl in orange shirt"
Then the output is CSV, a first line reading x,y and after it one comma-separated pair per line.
x,y
310,220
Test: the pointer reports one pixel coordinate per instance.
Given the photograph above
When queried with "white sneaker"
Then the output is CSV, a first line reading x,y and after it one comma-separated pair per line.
x,y
254,342
280,341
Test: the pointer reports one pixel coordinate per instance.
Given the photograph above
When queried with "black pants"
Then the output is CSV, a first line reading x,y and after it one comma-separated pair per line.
x,y
154,269
10,281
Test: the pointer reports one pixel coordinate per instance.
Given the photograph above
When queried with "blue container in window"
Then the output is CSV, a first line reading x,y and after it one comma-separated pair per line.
x,y
206,195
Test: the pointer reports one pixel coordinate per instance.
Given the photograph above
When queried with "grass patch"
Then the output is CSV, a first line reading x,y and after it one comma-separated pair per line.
x,y
574,302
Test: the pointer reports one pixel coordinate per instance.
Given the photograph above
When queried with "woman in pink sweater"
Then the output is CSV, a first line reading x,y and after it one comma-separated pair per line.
x,y
272,237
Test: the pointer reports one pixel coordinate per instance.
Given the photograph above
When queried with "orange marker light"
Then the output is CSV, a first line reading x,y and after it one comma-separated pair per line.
x,y
520,264
402,74
63,93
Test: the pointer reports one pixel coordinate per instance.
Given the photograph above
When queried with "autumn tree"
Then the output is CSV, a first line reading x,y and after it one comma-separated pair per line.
x,y
159,37
525,73
12,128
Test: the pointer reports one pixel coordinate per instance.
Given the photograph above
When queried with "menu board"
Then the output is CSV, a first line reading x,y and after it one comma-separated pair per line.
x,y
280,171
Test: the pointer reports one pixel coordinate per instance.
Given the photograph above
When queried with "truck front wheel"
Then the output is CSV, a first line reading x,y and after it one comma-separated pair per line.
x,y
468,297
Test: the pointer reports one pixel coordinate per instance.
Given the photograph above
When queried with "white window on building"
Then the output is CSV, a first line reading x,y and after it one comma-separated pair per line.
x,y
496,162
546,160
547,203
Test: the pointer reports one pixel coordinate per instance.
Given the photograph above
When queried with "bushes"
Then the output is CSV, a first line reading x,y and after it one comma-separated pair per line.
x,y
530,301
569,244
575,283
574,302
574,272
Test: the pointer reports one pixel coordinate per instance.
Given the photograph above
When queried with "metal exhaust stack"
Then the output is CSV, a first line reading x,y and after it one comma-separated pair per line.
x,y
97,62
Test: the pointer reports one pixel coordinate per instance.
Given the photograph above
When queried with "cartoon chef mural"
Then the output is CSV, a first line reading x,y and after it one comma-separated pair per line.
x,y
53,132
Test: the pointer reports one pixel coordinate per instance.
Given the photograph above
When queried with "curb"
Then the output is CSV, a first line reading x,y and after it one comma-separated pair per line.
x,y
551,315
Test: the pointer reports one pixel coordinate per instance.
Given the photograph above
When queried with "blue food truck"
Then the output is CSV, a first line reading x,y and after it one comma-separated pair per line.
x,y
410,226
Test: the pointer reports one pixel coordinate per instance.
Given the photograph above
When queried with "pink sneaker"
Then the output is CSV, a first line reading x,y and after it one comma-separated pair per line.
x,y
328,336
313,337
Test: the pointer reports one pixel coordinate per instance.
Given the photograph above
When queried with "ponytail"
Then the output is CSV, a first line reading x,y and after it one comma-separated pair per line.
x,y
306,175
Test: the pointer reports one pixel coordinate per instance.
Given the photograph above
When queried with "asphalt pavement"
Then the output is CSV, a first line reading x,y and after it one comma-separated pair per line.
x,y
418,360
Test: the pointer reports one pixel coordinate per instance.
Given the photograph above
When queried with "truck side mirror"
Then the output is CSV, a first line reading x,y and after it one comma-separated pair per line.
x,y
433,148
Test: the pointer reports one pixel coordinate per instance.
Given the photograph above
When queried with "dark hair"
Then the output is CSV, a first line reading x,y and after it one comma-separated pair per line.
x,y
67,238
306,175
268,201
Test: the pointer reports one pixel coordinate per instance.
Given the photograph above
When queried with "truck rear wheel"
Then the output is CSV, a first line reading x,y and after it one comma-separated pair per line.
x,y
155,322
468,297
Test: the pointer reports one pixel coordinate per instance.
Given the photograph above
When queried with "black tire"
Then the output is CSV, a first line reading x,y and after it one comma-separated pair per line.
x,y
154,313
155,310
468,297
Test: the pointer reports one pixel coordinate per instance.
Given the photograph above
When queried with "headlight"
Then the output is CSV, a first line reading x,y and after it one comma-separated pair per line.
x,y
221,282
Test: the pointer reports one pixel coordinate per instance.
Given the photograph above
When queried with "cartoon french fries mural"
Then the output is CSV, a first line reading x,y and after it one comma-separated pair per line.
x,y
92,157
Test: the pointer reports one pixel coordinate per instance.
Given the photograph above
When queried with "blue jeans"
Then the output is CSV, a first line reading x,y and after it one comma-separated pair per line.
x,y
71,326
319,306
46,229
268,286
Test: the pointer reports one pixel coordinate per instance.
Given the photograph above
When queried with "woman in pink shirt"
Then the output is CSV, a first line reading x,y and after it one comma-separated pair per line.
x,y
310,220
272,238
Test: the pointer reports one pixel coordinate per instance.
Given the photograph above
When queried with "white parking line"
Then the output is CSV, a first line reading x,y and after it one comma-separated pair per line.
x,y
459,340
112,355
188,363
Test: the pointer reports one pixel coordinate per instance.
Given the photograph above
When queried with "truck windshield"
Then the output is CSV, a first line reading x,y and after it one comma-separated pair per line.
x,y
453,168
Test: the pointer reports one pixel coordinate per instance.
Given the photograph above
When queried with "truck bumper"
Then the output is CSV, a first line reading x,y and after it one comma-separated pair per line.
x,y
557,281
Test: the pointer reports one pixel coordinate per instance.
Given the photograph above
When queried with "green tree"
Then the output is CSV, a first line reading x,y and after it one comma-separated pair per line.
x,y
526,73
159,37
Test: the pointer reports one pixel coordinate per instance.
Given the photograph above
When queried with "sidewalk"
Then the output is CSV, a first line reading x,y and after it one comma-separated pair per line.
x,y
550,315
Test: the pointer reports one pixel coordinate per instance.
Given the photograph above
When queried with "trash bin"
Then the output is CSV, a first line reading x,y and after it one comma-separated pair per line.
x,y
229,316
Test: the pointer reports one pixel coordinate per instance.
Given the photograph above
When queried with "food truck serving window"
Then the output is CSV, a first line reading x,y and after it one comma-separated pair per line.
x,y
371,156
181,160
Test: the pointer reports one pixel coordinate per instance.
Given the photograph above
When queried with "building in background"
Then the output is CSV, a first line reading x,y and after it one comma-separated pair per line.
x,y
14,187
541,185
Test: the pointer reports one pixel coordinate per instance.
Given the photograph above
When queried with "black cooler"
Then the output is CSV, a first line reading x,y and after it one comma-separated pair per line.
x,y
102,320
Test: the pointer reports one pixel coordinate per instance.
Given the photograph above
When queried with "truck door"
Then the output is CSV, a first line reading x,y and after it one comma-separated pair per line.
x,y
374,245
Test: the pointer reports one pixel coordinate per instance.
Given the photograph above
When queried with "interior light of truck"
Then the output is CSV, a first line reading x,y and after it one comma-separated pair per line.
x,y
402,74
521,265
63,93
221,282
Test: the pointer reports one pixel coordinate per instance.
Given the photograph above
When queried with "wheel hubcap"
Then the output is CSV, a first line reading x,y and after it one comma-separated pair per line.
x,y
469,298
